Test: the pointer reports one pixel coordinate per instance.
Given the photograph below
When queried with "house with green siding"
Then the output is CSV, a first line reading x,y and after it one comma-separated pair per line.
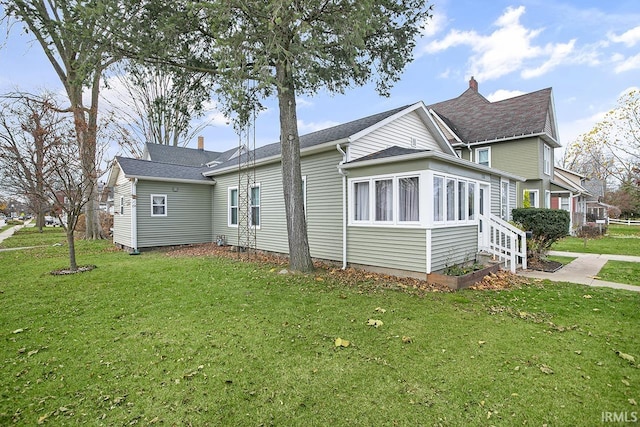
x,y
516,135
402,191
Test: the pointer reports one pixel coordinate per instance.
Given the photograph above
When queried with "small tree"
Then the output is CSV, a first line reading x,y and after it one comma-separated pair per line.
x,y
546,225
526,199
69,190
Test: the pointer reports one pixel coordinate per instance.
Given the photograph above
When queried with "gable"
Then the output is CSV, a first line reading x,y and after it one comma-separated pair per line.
x,y
408,131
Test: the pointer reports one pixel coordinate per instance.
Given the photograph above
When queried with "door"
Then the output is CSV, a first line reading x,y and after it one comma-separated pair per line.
x,y
484,210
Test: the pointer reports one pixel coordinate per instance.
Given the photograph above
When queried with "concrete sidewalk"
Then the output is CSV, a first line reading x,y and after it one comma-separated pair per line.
x,y
584,270
9,232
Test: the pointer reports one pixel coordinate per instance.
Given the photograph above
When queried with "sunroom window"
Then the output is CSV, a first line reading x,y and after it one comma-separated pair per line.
x,y
408,199
454,200
388,200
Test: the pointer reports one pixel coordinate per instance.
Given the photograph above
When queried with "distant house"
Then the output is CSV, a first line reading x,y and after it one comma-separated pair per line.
x,y
568,192
387,191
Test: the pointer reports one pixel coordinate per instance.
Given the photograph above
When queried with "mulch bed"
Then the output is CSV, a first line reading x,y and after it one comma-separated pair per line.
x,y
545,265
80,269
325,271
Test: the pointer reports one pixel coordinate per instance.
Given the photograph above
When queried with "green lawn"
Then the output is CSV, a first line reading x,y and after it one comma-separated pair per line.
x,y
620,240
153,339
621,272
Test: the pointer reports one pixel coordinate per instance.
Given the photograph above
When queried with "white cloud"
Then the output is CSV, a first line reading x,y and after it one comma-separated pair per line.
x,y
304,128
629,38
570,131
628,64
435,24
507,49
558,55
501,94
303,102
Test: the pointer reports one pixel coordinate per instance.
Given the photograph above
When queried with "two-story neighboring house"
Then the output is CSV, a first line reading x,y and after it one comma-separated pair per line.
x,y
517,135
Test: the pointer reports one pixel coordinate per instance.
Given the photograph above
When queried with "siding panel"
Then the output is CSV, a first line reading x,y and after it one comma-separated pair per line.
x,y
399,248
324,207
122,223
397,133
188,217
453,245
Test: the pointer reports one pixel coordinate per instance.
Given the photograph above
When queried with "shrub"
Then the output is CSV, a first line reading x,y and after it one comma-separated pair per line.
x,y
590,231
546,226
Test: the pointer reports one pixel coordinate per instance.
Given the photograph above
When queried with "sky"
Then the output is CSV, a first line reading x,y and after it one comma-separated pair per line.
x,y
587,51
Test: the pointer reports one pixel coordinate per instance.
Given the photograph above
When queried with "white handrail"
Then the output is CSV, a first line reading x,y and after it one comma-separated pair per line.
x,y
503,240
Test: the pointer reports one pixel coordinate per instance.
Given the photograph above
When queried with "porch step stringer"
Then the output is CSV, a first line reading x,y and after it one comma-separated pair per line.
x,y
502,241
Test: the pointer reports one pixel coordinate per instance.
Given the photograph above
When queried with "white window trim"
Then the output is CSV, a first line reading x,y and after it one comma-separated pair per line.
x,y
165,204
506,209
395,222
229,206
537,193
259,206
477,156
547,199
546,159
476,201
304,194
121,210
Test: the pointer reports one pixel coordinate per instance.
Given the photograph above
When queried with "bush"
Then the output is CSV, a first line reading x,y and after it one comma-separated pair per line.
x,y
546,225
589,231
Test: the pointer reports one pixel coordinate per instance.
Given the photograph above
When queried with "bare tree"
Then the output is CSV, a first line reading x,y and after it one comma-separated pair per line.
x,y
157,104
76,41
29,128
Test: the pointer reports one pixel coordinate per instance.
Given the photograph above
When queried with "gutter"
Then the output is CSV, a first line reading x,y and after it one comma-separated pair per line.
x,y
344,205
134,216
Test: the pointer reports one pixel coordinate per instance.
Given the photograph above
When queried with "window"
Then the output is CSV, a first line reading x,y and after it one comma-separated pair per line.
x,y
158,205
233,207
255,206
121,205
438,198
384,200
409,199
504,200
471,201
483,156
546,158
451,199
361,201
534,198
454,199
462,200
564,203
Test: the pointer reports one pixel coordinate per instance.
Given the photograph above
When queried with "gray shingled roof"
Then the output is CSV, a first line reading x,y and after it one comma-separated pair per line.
x,y
334,133
388,152
180,155
473,118
150,169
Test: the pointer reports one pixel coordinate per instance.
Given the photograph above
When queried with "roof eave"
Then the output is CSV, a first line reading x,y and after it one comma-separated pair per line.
x,y
431,154
325,146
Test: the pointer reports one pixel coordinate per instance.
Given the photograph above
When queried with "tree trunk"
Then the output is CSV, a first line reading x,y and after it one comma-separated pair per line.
x,y
86,132
299,256
73,266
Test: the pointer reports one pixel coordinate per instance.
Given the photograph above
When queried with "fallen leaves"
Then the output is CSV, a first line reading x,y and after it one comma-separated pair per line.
x,y
545,369
375,323
629,358
339,342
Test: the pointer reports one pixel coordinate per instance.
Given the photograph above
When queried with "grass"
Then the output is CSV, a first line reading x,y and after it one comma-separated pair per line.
x,y
621,272
564,260
209,341
620,240
30,236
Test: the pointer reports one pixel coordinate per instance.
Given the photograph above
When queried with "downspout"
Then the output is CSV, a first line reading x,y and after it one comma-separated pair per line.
x,y
134,216
344,206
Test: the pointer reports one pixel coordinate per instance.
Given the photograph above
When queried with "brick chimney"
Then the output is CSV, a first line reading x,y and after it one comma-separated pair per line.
x,y
201,143
473,84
